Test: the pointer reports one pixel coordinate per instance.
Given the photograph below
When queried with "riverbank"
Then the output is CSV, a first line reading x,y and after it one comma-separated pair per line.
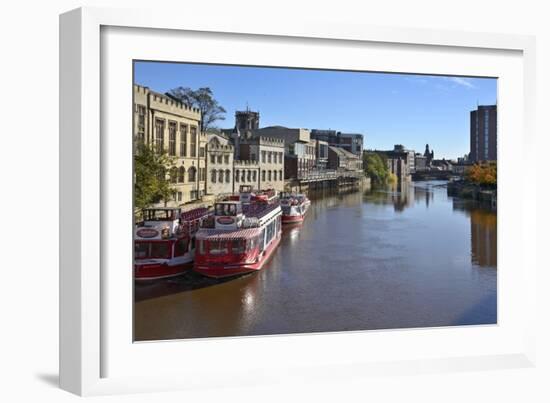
x,y
468,190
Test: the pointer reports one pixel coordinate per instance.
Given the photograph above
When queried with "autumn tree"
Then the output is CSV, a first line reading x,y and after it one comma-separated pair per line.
x,y
483,174
203,99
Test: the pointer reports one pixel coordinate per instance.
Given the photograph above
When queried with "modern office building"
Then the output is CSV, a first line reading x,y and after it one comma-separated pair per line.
x,y
483,133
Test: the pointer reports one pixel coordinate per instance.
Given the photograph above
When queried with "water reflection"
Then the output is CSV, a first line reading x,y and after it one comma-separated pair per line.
x,y
483,232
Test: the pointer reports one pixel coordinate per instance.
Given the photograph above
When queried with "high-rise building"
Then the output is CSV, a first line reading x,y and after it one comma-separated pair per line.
x,y
483,133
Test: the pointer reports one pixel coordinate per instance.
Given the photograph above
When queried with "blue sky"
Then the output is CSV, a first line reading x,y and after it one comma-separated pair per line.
x,y
386,108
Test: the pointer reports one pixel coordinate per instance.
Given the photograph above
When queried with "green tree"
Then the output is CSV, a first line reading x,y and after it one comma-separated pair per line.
x,y
203,99
151,184
376,168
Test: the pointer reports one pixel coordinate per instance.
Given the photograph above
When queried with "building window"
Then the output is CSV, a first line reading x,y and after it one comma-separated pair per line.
x,y
159,135
201,152
212,159
243,176
183,140
220,175
180,196
248,176
269,176
263,175
174,175
263,156
227,175
172,138
237,175
194,194
254,176
141,124
219,159
226,159
193,142
269,157
181,174
213,176
281,174
192,174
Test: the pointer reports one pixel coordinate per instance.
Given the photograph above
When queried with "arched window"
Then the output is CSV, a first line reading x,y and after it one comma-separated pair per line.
x,y
181,174
249,176
254,176
237,175
220,175
227,175
263,175
281,175
161,174
174,175
269,175
213,176
243,175
192,174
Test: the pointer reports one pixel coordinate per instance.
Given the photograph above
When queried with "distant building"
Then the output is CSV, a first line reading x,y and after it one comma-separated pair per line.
x,y
398,162
339,158
246,172
410,156
321,154
352,142
483,133
429,155
442,165
247,120
269,153
420,163
219,163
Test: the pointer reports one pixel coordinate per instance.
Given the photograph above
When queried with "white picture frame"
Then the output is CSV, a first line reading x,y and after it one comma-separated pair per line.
x,y
97,355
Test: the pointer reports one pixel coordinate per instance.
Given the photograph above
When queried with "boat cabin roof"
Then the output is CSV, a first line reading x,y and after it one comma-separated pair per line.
x,y
215,234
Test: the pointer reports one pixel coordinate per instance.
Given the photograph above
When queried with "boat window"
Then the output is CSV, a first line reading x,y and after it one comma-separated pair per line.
x,y
201,246
144,250
226,209
237,246
159,215
180,247
218,247
141,250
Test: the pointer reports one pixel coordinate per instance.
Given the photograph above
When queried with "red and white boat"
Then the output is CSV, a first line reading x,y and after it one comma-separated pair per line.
x,y
164,242
247,195
240,239
294,207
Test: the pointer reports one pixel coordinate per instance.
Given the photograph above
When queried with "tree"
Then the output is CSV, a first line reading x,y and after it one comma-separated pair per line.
x,y
376,168
151,184
483,174
203,99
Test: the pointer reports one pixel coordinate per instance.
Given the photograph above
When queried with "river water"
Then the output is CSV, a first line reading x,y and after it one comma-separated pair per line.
x,y
402,257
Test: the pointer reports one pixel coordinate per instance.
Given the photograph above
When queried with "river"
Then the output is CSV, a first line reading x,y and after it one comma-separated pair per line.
x,y
402,257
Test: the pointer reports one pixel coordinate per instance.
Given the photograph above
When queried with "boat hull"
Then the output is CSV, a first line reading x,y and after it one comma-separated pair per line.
x,y
237,269
292,219
154,271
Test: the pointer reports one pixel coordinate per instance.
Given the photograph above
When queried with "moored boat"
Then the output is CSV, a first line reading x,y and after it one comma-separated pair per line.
x,y
294,207
240,239
164,242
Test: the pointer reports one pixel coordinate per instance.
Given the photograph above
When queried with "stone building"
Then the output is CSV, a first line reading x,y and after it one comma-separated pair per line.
x,y
246,173
299,154
269,153
352,142
174,128
338,158
219,165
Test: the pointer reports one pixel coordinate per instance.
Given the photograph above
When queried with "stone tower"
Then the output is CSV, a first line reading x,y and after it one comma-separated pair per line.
x,y
247,121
